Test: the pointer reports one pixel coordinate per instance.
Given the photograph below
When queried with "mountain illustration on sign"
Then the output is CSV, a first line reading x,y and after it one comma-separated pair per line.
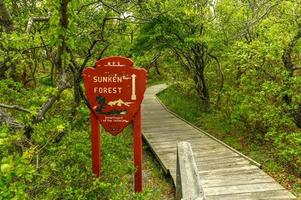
x,y
119,103
103,108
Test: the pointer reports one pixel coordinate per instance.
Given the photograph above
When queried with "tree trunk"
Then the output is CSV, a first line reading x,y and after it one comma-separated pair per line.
x,y
64,25
199,77
289,66
297,116
6,21
62,79
6,18
157,68
286,56
201,87
3,68
76,93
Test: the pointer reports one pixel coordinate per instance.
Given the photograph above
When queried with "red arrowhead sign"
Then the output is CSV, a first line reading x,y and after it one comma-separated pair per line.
x,y
115,90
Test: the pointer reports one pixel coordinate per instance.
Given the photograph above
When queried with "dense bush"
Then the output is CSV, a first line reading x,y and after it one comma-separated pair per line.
x,y
56,162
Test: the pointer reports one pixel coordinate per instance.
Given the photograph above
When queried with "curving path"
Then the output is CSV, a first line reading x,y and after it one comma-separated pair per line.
x,y
225,173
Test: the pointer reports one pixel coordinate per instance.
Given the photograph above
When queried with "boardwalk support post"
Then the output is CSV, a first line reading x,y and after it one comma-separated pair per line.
x,y
188,185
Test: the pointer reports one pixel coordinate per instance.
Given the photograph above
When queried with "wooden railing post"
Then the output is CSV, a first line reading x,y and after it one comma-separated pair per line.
x,y
188,185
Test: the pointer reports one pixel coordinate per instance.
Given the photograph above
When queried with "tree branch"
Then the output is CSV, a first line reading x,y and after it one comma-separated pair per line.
x,y
219,68
4,118
15,107
103,51
286,56
110,6
86,5
35,19
268,10
62,85
222,78
63,45
89,54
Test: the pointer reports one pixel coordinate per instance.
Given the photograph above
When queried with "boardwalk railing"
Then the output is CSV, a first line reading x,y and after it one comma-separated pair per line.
x,y
188,185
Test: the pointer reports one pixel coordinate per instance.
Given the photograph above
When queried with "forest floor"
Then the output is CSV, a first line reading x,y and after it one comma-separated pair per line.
x,y
190,109
155,177
57,163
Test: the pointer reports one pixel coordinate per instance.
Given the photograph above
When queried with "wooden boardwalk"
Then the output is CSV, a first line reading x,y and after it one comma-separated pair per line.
x,y
225,174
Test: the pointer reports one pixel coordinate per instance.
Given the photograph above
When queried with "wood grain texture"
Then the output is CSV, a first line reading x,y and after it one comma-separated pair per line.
x,y
188,184
224,173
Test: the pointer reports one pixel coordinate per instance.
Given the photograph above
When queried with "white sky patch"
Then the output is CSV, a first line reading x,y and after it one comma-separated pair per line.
x,y
126,14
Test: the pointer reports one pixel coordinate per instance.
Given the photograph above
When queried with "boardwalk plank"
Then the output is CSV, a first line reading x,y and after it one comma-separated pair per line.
x,y
248,188
263,195
224,174
165,135
192,138
219,180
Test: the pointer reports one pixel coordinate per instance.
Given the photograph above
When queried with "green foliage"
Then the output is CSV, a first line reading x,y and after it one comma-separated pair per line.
x,y
181,105
236,49
59,164
56,162
10,90
289,149
46,81
16,170
67,168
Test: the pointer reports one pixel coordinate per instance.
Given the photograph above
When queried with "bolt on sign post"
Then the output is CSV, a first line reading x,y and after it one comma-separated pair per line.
x,y
115,91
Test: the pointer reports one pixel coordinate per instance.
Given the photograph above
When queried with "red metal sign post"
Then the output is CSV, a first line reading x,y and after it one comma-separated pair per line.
x,y
95,143
138,151
115,91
